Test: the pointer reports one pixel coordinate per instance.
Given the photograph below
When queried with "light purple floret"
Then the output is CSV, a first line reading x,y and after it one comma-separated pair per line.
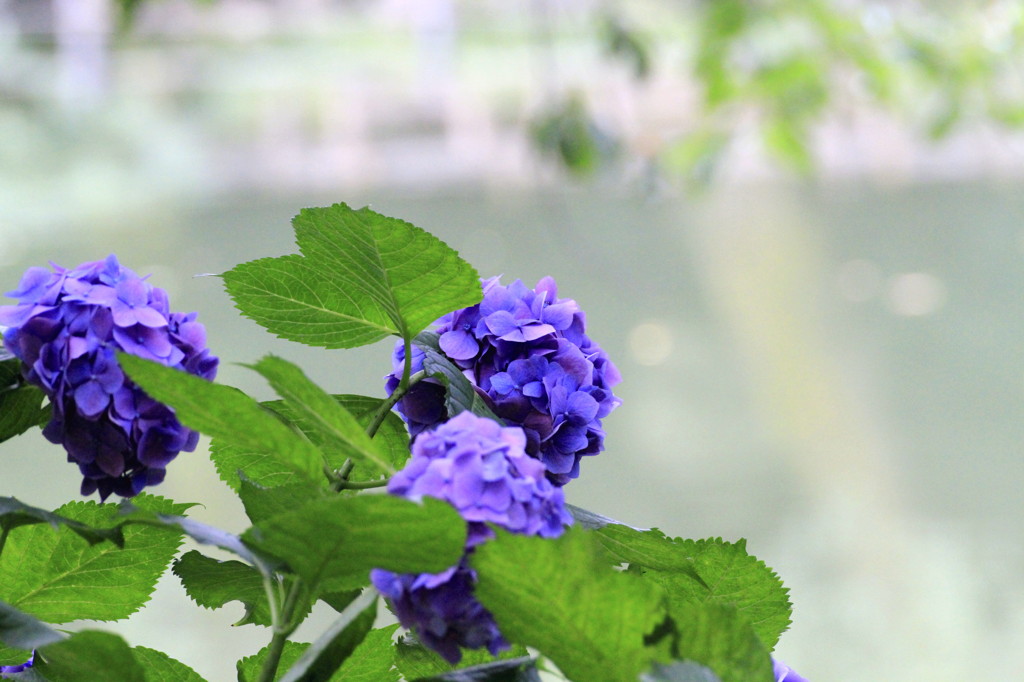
x,y
783,673
527,354
482,469
65,329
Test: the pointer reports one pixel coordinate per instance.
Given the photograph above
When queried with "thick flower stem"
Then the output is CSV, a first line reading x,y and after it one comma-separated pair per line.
x,y
382,412
283,626
362,485
273,657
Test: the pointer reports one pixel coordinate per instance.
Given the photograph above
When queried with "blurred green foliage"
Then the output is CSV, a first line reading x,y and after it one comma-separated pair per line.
x,y
788,65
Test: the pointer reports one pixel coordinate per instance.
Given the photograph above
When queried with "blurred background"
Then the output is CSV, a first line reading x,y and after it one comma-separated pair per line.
x,y
797,228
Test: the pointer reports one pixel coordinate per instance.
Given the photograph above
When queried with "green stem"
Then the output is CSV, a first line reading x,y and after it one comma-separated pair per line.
x,y
274,652
403,387
282,625
360,485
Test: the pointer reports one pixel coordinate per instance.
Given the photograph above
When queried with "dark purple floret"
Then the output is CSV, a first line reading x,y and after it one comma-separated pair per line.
x,y
783,673
66,329
526,351
481,468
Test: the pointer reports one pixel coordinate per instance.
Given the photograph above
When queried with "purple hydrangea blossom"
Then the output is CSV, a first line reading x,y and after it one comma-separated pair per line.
x,y
65,329
6,670
783,673
482,469
526,351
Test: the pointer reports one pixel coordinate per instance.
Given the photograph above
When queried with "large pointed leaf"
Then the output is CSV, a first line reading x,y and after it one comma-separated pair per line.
x,y
361,276
266,471
262,503
212,584
338,540
712,571
717,637
159,667
338,429
562,598
59,577
226,413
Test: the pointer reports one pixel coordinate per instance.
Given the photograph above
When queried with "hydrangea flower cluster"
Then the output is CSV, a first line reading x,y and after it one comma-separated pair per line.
x,y
65,329
527,352
482,469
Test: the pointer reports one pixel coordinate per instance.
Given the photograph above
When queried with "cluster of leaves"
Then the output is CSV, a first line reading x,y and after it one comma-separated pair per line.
x,y
604,602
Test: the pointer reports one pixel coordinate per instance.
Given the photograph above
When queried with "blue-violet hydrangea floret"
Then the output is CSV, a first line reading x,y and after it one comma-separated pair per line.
x,y
482,469
527,353
66,329
783,673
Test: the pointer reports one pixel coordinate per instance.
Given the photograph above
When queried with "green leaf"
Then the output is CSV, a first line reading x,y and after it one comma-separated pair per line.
x,y
262,468
249,667
227,413
681,671
212,584
14,514
460,396
361,277
89,655
372,659
392,437
717,636
337,643
338,429
59,577
262,503
593,619
20,410
649,549
417,662
727,575
338,540
159,667
392,440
